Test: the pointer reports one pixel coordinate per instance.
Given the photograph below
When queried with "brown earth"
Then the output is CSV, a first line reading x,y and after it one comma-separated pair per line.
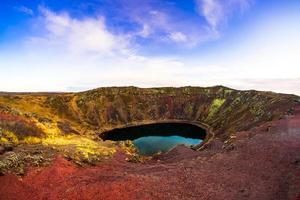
x,y
262,163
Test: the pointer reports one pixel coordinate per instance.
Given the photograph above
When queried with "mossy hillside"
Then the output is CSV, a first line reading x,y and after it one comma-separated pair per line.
x,y
16,127
221,108
88,113
215,106
78,149
46,118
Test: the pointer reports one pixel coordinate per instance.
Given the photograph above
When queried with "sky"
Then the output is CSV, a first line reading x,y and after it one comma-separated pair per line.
x,y
73,45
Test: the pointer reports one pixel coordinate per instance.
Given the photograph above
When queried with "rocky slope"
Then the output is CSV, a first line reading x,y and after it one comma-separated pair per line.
x,y
260,164
223,109
251,134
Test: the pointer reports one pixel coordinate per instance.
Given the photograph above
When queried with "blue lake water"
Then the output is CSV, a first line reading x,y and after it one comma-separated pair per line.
x,y
150,145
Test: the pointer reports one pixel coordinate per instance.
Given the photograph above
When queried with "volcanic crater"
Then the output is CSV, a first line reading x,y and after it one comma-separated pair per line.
x,y
78,145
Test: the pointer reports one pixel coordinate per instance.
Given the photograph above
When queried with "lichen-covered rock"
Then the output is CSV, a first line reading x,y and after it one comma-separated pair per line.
x,y
16,161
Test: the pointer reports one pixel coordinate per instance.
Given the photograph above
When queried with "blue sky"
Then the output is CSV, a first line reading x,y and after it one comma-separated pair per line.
x,y
73,45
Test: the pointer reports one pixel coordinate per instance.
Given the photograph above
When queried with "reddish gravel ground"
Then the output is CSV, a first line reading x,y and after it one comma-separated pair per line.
x,y
261,164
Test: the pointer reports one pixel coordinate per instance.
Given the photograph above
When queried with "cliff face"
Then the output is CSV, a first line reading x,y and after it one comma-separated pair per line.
x,y
224,110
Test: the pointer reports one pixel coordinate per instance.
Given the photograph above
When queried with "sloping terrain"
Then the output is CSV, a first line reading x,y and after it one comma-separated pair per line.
x,y
251,153
223,109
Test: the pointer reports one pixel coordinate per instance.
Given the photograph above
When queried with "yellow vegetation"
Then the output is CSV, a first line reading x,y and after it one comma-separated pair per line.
x,y
35,109
80,148
32,140
215,106
8,137
3,140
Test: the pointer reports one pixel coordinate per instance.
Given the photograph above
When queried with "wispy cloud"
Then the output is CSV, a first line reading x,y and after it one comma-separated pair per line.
x,y
178,37
83,53
25,10
89,35
164,22
217,12
156,22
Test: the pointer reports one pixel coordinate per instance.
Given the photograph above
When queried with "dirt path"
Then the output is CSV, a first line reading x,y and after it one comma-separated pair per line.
x,y
262,164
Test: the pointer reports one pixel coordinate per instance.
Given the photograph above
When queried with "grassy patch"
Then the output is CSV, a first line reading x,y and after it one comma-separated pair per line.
x,y
8,137
80,149
215,106
19,126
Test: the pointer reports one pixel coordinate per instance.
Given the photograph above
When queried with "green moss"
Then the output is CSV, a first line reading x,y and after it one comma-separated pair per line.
x,y
228,91
257,110
215,106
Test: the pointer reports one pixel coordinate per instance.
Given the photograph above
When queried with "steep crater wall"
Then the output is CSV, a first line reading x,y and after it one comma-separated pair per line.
x,y
224,110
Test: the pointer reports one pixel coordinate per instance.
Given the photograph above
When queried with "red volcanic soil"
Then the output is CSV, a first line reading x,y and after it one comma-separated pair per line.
x,y
261,164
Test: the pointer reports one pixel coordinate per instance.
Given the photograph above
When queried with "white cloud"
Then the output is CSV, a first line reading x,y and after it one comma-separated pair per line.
x,y
163,27
82,53
178,37
213,11
217,12
145,32
88,35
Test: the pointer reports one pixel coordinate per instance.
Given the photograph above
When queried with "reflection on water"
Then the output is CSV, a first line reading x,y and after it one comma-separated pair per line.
x,y
150,145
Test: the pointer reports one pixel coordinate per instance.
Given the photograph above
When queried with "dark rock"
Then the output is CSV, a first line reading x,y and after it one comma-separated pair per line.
x,y
290,111
8,147
297,101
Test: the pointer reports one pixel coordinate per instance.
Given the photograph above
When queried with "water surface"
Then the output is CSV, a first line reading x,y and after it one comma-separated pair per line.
x,y
150,145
